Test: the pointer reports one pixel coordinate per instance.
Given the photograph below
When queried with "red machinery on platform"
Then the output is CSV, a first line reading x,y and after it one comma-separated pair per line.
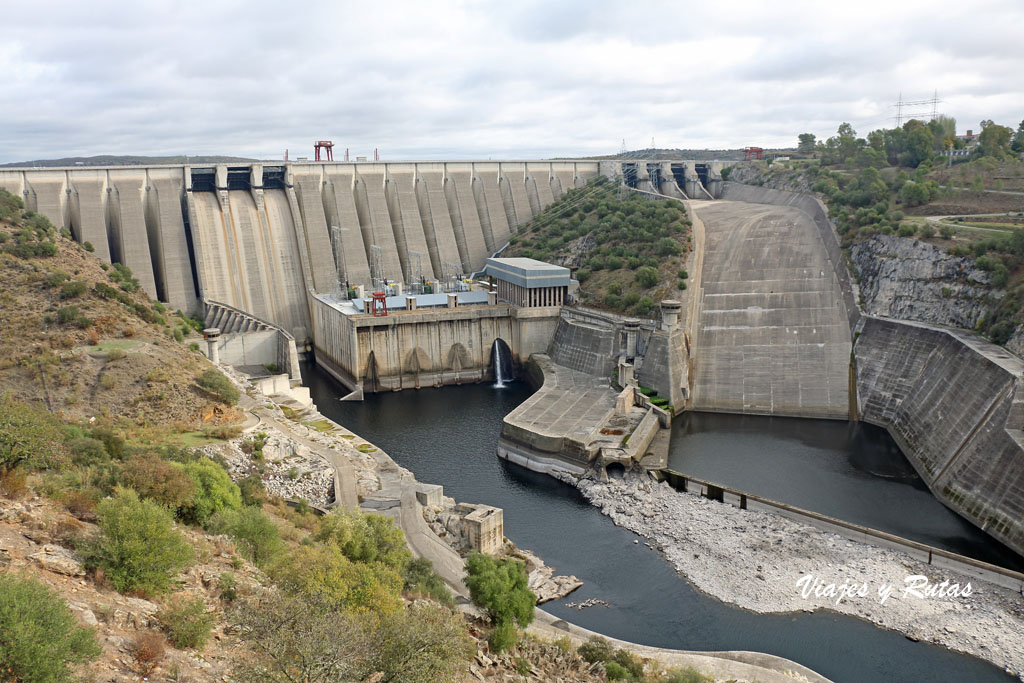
x,y
379,305
752,153
327,146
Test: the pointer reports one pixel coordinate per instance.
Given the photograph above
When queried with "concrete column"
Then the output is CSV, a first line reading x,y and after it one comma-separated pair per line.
x,y
410,303
212,337
632,328
453,300
626,377
398,289
360,291
492,297
670,314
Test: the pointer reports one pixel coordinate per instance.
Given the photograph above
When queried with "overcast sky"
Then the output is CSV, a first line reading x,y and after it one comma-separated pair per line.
x,y
477,80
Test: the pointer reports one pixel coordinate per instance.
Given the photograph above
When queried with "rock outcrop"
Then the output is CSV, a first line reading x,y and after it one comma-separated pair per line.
x,y
906,279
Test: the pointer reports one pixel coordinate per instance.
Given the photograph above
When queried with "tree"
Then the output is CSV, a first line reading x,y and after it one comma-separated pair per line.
x,y
917,143
137,545
806,143
500,588
1018,139
39,637
647,276
302,639
994,139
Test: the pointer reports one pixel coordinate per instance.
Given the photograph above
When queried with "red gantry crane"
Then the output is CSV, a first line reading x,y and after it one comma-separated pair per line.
x,y
327,146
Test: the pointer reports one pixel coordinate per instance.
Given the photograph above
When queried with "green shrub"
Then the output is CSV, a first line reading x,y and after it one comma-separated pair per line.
x,y
29,437
57,278
218,385
596,649
228,587
926,231
72,289
40,639
420,578
582,275
365,537
112,443
154,478
88,246
256,536
214,491
615,288
946,231
87,451
686,674
616,672
683,274
503,637
137,546
945,292
252,489
647,276
178,336
67,314
500,588
187,622
323,573
194,346
906,231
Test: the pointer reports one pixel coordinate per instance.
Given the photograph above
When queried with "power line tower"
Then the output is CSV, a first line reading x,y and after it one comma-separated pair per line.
x,y
929,113
622,150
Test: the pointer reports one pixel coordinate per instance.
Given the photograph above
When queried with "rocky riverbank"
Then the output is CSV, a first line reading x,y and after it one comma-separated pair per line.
x,y
759,561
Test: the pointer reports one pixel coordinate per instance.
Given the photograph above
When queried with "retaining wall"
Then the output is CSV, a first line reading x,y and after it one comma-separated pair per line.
x,y
955,405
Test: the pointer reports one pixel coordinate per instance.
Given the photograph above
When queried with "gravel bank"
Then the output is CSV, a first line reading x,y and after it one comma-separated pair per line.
x,y
755,560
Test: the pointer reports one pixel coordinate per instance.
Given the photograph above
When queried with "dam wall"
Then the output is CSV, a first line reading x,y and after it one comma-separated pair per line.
x,y
955,405
262,237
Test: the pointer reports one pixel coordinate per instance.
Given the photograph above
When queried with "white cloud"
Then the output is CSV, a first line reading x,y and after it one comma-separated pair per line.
x,y
477,79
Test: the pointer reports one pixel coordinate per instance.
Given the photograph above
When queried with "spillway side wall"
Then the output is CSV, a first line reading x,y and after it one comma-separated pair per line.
x,y
955,405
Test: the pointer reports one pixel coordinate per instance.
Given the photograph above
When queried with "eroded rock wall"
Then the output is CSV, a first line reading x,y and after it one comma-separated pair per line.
x,y
904,278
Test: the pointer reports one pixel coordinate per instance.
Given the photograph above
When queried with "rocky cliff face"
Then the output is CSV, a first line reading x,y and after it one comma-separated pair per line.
x,y
907,279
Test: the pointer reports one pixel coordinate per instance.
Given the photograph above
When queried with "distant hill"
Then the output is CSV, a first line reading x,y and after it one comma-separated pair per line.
x,y
128,160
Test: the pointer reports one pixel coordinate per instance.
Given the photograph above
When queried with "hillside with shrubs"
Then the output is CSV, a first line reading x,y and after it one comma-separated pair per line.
x,y
627,251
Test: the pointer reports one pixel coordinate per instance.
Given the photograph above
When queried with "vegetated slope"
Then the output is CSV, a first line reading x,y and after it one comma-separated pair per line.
x,y
80,339
627,250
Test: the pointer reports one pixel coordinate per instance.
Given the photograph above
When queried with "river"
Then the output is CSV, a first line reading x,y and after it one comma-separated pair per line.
x,y
449,436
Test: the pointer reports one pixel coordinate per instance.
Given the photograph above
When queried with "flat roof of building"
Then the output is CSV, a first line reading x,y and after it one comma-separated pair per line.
x,y
440,300
528,272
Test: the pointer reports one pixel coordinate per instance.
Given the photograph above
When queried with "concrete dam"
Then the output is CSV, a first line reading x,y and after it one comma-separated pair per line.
x,y
261,238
